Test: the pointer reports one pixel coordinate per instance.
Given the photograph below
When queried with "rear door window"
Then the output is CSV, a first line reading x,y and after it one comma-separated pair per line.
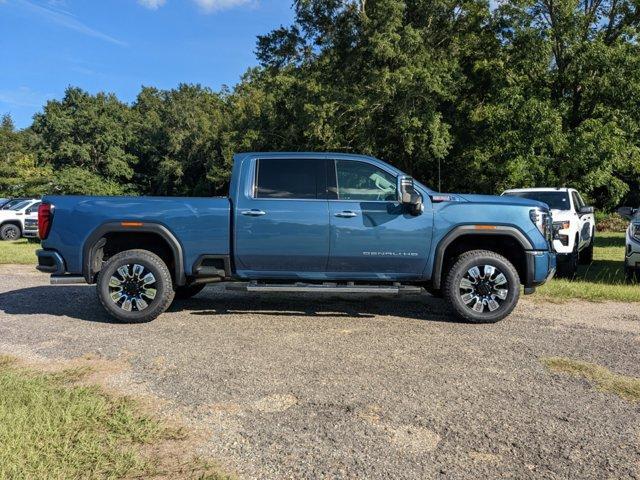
x,y
290,178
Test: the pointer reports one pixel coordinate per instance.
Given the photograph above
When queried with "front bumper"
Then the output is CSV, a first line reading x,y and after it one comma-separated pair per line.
x,y
541,267
632,252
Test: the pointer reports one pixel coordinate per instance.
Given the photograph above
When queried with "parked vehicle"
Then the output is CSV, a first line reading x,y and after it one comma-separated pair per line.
x,y
574,225
12,221
632,244
13,202
301,222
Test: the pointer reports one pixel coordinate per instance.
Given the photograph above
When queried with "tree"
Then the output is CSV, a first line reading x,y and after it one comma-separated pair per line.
x,y
91,133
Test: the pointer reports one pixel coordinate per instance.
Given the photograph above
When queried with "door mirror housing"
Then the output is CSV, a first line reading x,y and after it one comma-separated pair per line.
x,y
585,210
408,195
627,212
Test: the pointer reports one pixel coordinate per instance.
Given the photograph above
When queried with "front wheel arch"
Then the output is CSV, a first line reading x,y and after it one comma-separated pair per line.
x,y
503,240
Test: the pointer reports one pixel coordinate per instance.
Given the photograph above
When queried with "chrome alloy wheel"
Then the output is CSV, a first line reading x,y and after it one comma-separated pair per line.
x,y
132,287
484,286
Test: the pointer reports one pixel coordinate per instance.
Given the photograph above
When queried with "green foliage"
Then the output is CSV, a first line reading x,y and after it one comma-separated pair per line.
x,y
531,93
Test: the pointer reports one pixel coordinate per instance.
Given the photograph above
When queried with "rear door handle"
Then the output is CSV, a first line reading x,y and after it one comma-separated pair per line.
x,y
346,214
254,213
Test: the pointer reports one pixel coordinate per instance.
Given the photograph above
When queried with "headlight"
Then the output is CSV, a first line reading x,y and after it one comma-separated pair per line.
x,y
635,232
561,225
540,219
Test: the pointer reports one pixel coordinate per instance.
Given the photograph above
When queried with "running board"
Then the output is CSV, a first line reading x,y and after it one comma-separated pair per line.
x,y
325,288
67,279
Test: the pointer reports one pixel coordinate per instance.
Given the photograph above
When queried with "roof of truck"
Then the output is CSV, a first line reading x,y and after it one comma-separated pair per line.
x,y
539,189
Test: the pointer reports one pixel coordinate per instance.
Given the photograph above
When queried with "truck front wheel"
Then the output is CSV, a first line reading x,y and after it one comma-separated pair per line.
x,y
135,286
10,232
482,287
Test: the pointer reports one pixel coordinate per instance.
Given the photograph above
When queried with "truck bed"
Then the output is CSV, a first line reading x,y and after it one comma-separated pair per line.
x,y
202,225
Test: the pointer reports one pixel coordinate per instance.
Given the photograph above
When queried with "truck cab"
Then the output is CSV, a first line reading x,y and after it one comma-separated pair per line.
x,y
312,222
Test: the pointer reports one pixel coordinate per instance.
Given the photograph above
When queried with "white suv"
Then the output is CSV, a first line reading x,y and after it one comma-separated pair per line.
x,y
12,221
574,225
632,244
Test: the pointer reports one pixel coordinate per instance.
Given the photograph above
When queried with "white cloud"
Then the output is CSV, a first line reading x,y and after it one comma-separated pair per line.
x,y
209,6
152,4
67,20
23,97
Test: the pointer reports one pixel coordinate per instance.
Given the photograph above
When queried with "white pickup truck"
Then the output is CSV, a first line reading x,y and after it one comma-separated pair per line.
x,y
21,220
574,225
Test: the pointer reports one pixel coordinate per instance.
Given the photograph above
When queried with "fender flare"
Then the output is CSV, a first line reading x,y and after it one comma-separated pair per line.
x,y
463,230
93,243
12,221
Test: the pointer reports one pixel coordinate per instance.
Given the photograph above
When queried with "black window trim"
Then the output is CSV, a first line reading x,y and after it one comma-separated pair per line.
x,y
253,195
251,191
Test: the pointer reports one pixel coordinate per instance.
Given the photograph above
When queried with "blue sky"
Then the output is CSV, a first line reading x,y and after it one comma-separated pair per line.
x,y
119,45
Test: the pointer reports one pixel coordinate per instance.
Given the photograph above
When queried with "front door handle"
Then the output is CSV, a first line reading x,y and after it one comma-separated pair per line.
x,y
346,214
254,213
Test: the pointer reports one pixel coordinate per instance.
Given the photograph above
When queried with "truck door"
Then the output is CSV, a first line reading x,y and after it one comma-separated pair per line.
x,y
282,219
586,226
372,235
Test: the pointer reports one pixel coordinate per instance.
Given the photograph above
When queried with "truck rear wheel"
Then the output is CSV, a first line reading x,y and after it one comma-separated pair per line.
x,y
482,287
135,286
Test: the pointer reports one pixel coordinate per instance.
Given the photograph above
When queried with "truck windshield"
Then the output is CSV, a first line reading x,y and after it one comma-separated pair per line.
x,y
19,206
555,200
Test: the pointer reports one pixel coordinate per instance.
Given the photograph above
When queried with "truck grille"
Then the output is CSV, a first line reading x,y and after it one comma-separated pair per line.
x,y
548,229
30,225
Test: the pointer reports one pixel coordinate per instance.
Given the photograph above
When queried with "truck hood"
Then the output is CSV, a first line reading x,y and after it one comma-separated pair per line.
x,y
499,200
561,215
6,214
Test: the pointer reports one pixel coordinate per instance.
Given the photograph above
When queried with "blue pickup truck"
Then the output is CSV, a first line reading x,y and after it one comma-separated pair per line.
x,y
301,222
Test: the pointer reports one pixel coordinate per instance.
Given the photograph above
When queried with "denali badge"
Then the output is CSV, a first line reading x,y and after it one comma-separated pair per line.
x,y
390,254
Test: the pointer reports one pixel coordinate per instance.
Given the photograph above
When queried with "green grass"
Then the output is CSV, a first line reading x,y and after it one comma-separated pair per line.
x,y
53,427
627,388
602,280
18,252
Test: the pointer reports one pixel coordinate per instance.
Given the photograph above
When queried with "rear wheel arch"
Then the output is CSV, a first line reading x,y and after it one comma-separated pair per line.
x,y
113,237
506,241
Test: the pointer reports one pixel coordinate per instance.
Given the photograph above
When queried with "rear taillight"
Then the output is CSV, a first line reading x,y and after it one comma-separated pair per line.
x,y
45,217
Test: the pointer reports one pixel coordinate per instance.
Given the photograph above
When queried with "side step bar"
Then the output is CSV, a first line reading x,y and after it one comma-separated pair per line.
x,y
67,279
325,288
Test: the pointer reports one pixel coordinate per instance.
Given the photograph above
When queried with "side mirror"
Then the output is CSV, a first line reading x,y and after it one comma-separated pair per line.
x,y
408,195
584,210
627,212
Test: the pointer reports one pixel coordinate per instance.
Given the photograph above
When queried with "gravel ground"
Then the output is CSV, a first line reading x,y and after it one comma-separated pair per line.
x,y
297,386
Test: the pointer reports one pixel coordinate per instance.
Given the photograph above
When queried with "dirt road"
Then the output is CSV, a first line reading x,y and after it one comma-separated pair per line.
x,y
295,386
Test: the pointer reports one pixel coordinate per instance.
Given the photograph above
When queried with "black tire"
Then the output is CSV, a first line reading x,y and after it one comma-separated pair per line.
x,y
33,240
162,285
10,232
453,290
586,255
568,264
187,291
632,275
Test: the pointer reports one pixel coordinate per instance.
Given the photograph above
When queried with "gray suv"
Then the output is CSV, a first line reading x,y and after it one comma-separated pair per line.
x,y
632,248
